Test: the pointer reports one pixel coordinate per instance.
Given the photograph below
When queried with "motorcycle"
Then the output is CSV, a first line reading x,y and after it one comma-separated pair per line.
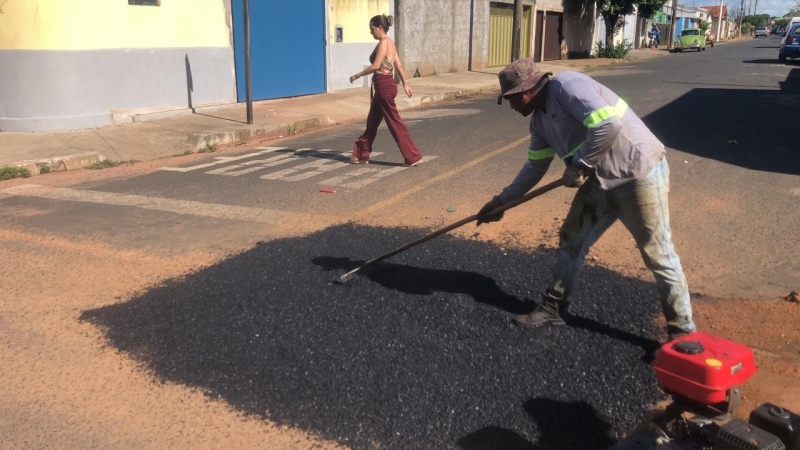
x,y
653,40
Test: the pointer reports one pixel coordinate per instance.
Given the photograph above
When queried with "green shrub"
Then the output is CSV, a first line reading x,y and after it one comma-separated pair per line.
x,y
747,28
107,164
617,51
104,164
8,172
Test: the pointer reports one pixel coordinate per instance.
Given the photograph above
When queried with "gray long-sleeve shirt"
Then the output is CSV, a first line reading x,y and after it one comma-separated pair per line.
x,y
588,122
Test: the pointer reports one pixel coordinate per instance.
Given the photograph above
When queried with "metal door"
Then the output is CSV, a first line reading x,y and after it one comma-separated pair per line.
x,y
287,48
552,36
501,32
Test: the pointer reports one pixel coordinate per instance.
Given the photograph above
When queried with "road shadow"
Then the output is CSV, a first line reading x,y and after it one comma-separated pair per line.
x,y
765,61
585,431
743,127
481,288
333,156
416,357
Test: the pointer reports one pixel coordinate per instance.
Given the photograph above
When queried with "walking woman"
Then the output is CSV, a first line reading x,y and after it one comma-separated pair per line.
x,y
384,60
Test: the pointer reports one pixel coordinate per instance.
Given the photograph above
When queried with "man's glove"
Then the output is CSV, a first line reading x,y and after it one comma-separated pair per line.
x,y
574,176
484,215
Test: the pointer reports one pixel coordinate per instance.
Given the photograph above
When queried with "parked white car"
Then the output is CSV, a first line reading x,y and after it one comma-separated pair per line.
x,y
761,31
792,22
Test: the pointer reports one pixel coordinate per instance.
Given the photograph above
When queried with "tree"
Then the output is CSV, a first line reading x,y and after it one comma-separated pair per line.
x,y
614,12
757,21
704,24
648,8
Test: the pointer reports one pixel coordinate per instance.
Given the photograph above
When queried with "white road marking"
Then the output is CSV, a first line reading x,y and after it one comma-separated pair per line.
x,y
322,161
336,181
213,210
269,162
266,163
224,159
341,181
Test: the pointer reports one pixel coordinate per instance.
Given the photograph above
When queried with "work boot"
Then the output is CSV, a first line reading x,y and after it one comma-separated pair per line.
x,y
547,313
672,334
675,333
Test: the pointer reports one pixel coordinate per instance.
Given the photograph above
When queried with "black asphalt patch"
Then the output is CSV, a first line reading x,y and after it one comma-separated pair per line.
x,y
416,353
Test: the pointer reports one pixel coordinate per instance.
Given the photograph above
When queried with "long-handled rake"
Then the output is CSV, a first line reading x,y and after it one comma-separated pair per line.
x,y
529,196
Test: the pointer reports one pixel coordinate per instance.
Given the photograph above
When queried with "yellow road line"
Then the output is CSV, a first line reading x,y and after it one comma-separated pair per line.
x,y
400,196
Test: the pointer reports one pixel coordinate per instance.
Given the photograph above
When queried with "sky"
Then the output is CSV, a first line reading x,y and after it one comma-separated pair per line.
x,y
772,7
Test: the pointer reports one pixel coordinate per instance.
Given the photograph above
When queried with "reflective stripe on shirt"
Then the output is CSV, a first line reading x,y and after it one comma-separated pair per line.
x,y
535,155
574,150
594,119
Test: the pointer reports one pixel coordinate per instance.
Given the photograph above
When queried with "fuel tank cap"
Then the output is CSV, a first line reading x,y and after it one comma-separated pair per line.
x,y
689,347
780,413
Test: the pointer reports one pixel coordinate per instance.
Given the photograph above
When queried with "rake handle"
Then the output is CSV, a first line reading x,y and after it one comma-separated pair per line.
x,y
529,196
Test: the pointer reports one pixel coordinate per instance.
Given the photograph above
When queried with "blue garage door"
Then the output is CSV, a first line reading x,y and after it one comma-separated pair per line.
x,y
287,47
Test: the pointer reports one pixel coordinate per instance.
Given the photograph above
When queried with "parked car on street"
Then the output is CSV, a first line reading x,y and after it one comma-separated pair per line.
x,y
792,22
691,39
790,45
761,31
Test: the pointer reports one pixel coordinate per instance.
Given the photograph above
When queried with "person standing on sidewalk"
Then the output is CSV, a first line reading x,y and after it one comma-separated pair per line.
x,y
621,172
384,60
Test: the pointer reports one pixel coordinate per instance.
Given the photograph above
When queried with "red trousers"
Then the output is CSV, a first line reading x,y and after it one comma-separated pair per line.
x,y
383,107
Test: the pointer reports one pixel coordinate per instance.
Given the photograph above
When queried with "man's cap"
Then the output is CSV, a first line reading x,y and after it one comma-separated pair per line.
x,y
519,76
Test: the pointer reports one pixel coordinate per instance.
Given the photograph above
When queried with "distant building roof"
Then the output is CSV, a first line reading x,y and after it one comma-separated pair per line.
x,y
714,10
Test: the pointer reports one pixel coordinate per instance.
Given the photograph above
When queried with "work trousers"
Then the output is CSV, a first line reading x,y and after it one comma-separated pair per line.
x,y
384,107
642,206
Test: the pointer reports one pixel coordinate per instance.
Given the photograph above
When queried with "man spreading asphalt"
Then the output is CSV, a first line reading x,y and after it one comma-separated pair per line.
x,y
619,168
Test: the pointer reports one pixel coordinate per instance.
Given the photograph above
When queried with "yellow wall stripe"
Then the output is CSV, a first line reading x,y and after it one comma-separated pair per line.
x,y
108,24
354,18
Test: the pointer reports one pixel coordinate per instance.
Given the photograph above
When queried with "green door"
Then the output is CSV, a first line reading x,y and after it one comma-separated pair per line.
x,y
501,32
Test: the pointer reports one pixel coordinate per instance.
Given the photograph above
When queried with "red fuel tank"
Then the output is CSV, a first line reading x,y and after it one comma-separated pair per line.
x,y
703,367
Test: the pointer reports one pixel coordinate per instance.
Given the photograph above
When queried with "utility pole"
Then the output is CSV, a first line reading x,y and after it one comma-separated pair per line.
x,y
719,20
517,30
471,31
672,26
247,81
755,9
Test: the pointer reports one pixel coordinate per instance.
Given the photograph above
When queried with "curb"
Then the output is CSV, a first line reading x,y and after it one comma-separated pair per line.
x,y
200,141
424,100
71,162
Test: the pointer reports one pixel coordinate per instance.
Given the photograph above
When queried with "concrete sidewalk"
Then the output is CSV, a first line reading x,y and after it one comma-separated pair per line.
x,y
161,135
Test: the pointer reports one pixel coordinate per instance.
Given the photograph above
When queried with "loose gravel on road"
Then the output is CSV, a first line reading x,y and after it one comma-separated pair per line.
x,y
416,353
